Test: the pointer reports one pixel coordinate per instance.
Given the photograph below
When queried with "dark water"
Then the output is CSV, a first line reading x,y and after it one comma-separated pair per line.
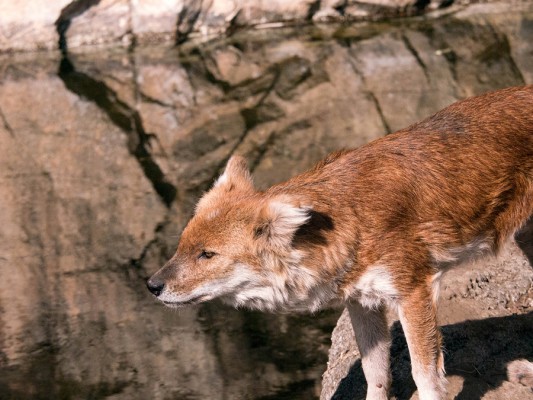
x,y
104,154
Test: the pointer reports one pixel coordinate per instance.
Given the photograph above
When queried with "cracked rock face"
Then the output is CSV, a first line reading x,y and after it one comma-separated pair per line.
x,y
28,25
105,155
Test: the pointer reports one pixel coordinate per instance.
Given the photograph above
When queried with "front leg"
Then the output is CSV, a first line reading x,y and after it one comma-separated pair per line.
x,y
418,317
373,339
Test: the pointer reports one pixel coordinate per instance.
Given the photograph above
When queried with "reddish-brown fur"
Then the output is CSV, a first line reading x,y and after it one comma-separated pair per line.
x,y
412,204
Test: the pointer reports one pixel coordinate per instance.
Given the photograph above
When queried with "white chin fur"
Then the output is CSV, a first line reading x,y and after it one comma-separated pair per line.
x,y
295,289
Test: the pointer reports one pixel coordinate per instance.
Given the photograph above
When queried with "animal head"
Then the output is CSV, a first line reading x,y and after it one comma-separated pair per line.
x,y
238,247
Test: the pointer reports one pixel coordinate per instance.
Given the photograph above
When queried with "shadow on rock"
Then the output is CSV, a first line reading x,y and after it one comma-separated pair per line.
x,y
125,118
476,351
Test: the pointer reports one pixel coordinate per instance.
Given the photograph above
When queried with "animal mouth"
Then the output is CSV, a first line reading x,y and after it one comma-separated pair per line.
x,y
189,302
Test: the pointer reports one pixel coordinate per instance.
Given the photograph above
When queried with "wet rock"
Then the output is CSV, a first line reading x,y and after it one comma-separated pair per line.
x,y
231,66
374,60
294,71
514,33
209,142
69,186
492,53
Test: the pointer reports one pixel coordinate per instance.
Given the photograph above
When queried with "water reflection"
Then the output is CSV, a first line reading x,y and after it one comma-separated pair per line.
x,y
103,161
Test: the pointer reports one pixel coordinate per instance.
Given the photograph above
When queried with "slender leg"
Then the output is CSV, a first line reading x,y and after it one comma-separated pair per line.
x,y
524,240
373,339
419,321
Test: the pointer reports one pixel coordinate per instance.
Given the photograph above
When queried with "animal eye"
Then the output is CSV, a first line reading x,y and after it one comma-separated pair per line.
x,y
207,254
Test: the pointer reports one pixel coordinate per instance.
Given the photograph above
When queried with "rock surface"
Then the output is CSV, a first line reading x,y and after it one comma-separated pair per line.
x,y
35,25
105,153
29,25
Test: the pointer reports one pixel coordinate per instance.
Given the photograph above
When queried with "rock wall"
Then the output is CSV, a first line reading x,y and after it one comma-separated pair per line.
x,y
105,153
28,25
93,197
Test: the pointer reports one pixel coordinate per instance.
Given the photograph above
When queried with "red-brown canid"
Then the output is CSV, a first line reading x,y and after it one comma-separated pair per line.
x,y
369,228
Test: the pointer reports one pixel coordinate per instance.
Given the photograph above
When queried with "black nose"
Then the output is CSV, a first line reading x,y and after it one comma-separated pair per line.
x,y
154,286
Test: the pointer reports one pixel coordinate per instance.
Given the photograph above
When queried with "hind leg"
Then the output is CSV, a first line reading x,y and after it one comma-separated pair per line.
x,y
521,371
524,240
418,317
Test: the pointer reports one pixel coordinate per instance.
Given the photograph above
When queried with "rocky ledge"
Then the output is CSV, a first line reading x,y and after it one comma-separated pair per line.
x,y
29,25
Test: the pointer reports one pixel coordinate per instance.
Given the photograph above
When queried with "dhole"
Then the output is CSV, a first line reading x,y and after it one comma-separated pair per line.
x,y
370,228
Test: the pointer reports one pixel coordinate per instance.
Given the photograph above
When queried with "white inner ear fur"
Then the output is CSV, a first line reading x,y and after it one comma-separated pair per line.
x,y
283,221
235,177
221,180
236,173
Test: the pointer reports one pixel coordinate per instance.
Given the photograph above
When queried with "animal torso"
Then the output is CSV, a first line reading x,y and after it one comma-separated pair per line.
x,y
442,192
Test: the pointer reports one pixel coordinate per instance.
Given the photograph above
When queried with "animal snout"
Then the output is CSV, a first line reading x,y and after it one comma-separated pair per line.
x,y
155,285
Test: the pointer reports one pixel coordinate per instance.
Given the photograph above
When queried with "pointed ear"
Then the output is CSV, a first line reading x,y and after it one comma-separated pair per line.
x,y
236,178
236,175
279,220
